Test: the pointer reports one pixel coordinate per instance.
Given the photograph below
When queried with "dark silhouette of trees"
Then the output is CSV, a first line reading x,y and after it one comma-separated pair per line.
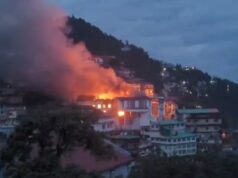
x,y
36,147
200,166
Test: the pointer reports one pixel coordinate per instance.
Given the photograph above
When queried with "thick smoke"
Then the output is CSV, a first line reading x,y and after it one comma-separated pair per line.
x,y
34,50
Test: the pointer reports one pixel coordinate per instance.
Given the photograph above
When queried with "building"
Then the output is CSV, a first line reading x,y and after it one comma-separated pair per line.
x,y
127,140
173,139
205,123
11,111
170,108
105,124
117,166
136,113
167,109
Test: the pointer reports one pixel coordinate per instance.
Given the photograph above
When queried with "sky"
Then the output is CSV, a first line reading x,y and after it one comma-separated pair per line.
x,y
201,33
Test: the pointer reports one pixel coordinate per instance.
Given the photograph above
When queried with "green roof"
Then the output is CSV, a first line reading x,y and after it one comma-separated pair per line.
x,y
183,134
171,122
198,111
180,135
126,137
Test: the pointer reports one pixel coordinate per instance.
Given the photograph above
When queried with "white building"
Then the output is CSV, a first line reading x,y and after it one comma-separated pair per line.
x,y
173,139
136,113
105,124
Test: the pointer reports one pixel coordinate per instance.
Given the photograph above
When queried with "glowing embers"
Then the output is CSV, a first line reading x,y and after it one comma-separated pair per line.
x,y
170,110
105,96
105,106
121,113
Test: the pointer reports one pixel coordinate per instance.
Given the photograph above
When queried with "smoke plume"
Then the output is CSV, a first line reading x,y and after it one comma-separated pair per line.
x,y
34,50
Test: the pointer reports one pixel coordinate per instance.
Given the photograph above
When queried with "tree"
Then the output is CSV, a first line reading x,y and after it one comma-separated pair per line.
x,y
200,166
44,135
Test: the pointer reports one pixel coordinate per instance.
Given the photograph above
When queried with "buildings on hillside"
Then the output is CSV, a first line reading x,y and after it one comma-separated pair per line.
x,y
175,131
172,138
205,123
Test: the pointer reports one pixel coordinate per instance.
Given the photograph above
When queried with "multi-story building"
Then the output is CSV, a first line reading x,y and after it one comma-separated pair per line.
x,y
105,124
173,139
135,113
206,123
167,109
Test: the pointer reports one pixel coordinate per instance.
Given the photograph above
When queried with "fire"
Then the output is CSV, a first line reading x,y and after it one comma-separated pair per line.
x,y
121,113
48,61
105,96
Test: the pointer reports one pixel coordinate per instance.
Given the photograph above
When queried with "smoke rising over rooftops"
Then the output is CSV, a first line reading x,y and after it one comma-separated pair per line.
x,y
34,49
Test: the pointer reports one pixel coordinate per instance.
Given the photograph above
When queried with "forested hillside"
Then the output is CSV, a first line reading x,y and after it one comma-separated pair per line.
x,y
190,86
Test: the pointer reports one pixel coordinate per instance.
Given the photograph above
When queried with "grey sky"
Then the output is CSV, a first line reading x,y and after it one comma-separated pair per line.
x,y
201,33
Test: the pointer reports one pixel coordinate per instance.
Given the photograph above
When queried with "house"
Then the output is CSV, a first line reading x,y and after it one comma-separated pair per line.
x,y
118,165
173,139
205,123
105,124
167,108
135,113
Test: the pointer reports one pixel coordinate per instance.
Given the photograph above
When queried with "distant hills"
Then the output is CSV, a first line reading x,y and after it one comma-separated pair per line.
x,y
191,87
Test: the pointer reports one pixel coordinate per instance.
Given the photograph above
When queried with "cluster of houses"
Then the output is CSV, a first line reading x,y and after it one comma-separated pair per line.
x,y
135,126
148,124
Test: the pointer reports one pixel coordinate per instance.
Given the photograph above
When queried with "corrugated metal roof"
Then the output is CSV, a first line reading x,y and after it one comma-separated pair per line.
x,y
85,159
198,111
170,122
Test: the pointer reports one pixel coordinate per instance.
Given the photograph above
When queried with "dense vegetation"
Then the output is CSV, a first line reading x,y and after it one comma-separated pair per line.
x,y
203,89
201,166
36,147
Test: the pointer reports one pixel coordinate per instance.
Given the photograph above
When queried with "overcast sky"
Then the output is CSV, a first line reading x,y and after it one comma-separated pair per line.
x,y
201,33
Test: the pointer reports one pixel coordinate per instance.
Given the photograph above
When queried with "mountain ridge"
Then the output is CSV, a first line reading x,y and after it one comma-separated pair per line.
x,y
189,85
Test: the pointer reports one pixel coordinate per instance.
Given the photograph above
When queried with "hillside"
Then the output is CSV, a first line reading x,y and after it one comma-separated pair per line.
x,y
190,86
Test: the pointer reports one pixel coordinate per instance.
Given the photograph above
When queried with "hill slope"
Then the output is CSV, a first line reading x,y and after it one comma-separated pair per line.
x,y
189,85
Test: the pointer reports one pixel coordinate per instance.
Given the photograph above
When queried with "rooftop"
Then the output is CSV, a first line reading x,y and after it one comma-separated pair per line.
x,y
198,111
180,134
126,137
91,163
134,98
170,122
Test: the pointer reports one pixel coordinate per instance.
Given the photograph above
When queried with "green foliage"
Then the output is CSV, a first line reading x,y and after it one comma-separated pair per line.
x,y
200,166
37,145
